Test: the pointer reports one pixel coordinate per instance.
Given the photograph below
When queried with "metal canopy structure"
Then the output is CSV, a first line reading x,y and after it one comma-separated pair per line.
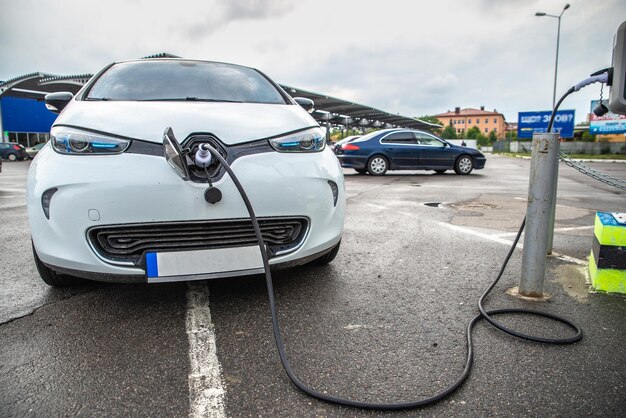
x,y
341,112
37,85
328,110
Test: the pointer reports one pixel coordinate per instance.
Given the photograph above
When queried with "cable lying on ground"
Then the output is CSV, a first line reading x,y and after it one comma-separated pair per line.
x,y
397,405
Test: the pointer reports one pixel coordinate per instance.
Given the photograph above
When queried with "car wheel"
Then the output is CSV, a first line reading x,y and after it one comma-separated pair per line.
x,y
440,171
12,157
328,257
360,170
464,165
377,165
51,277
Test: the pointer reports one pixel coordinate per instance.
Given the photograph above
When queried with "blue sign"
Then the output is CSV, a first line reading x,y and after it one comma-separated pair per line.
x,y
529,123
609,123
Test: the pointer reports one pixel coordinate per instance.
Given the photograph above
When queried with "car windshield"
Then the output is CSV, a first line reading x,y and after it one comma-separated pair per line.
x,y
184,81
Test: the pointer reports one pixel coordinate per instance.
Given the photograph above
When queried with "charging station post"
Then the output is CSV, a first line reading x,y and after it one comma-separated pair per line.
x,y
541,194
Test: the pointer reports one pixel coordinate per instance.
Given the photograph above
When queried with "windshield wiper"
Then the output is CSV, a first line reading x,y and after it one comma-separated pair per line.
x,y
189,99
98,99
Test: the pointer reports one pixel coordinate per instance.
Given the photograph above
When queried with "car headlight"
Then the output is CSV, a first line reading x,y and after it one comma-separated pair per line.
x,y
75,141
311,140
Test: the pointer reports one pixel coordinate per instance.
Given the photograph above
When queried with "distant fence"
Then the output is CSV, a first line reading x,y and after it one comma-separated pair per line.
x,y
593,148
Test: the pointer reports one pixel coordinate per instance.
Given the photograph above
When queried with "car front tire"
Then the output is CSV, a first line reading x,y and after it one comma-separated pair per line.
x,y
12,157
377,165
51,277
464,165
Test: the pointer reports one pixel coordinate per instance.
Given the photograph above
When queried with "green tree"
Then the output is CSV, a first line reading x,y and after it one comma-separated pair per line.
x,y
587,137
430,119
492,137
449,132
473,133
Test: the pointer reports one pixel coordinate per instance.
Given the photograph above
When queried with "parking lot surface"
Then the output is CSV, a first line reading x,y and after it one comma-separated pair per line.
x,y
383,322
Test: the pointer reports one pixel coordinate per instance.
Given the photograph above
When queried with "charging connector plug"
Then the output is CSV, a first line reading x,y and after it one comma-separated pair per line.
x,y
595,78
203,157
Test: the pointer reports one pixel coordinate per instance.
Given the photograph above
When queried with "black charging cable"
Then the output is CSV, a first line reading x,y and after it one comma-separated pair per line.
x,y
486,314
399,405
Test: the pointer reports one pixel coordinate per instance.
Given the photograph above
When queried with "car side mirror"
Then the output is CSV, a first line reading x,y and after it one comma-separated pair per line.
x,y
307,104
56,102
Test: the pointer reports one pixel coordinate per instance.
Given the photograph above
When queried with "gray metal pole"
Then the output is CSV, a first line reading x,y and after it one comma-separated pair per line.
x,y
556,64
553,193
543,169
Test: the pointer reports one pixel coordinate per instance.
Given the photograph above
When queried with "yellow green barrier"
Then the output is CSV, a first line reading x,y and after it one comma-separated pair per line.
x,y
607,261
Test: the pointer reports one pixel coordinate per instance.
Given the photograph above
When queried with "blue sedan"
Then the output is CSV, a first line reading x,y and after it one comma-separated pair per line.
x,y
406,149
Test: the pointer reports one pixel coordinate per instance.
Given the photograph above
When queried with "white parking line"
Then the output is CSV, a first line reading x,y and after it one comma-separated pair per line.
x,y
206,387
496,238
489,237
569,228
482,235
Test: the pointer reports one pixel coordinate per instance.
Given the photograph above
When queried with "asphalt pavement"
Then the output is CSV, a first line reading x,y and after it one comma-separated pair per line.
x,y
383,322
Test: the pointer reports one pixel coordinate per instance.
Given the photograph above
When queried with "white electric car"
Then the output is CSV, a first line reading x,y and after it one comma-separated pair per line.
x,y
118,193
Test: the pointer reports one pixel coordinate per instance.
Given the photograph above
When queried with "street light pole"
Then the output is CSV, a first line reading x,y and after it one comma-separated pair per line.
x,y
553,191
558,38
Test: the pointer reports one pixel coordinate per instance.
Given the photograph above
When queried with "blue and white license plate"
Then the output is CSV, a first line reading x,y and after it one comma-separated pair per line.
x,y
203,264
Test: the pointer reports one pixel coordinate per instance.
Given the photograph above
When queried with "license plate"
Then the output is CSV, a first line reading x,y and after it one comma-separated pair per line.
x,y
203,264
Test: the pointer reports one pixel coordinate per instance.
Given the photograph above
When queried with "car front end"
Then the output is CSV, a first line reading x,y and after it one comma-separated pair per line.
x,y
106,203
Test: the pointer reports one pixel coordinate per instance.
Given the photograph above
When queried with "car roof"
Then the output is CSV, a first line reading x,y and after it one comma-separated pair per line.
x,y
181,60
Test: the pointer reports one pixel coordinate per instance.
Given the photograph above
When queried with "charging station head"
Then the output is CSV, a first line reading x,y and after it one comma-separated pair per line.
x,y
617,95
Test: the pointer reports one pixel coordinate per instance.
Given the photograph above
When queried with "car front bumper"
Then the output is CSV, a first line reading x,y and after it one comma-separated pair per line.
x,y
113,190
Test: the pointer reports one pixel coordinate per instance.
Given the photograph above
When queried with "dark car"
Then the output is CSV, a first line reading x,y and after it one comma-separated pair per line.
x,y
345,141
406,149
12,151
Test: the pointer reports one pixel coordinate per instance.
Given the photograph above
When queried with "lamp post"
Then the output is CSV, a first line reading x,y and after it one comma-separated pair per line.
x,y
553,191
558,36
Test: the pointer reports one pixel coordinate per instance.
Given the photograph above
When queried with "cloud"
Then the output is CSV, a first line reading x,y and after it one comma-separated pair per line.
x,y
220,13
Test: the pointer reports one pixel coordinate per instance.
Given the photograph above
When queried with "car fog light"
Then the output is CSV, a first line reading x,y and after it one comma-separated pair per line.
x,y
335,191
46,198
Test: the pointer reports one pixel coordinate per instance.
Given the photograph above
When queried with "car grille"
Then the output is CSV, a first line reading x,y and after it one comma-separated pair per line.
x,y
129,243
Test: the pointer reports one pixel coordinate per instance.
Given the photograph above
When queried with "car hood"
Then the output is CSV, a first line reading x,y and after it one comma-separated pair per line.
x,y
232,123
467,150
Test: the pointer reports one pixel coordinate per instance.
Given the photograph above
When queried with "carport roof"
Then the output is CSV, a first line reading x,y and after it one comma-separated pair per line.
x,y
342,112
327,109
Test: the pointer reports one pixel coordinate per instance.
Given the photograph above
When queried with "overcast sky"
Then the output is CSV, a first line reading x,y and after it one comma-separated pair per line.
x,y
410,57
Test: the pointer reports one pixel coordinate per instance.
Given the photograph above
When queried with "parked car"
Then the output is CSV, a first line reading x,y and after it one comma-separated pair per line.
x,y
345,141
12,151
119,197
406,149
32,151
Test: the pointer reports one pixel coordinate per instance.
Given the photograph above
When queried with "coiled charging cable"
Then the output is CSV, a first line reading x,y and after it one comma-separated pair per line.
x,y
486,314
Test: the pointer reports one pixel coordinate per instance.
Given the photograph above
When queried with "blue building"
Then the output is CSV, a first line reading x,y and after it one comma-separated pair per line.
x,y
23,114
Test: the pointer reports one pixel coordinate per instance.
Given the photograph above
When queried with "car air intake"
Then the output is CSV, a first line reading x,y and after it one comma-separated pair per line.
x,y
128,243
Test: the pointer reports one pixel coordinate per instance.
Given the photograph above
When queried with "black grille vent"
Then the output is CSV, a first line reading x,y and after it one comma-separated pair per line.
x,y
128,243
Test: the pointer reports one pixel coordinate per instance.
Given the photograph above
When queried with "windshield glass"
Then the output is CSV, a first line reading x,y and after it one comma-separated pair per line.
x,y
184,81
